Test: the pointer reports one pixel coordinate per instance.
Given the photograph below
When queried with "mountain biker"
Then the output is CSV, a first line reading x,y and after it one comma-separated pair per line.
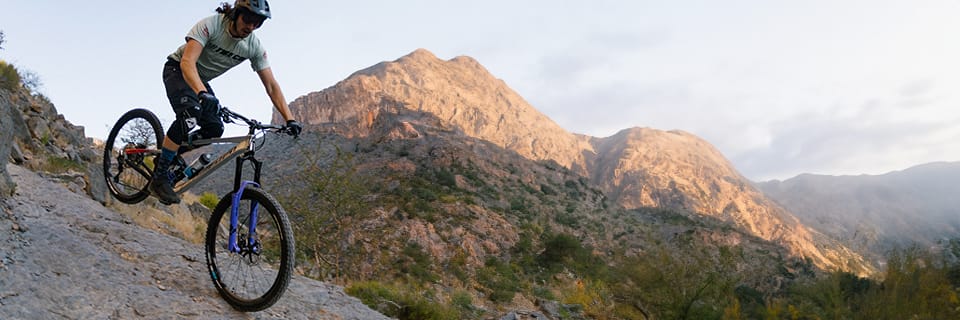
x,y
213,46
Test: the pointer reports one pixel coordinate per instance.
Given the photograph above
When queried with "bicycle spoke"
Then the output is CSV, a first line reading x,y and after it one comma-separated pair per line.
x,y
249,279
127,151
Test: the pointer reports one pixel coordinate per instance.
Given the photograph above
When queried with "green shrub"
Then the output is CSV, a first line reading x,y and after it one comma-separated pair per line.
x,y
61,165
209,199
417,263
9,77
500,278
401,302
446,178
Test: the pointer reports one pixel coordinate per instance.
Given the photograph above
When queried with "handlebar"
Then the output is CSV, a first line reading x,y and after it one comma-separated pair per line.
x,y
229,116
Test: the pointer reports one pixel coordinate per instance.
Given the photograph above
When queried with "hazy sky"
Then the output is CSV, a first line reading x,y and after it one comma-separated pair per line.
x,y
779,87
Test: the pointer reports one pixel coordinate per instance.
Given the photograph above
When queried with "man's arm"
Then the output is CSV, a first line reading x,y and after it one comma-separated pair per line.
x,y
188,65
276,95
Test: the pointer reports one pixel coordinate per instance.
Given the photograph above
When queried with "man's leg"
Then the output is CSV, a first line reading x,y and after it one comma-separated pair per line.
x,y
162,183
186,106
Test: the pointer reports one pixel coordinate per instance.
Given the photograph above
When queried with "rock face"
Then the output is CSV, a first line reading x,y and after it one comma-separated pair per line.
x,y
636,167
460,93
642,167
63,255
6,142
41,139
871,213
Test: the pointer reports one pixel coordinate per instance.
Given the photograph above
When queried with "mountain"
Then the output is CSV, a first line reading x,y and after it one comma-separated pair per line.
x,y
460,94
635,168
873,213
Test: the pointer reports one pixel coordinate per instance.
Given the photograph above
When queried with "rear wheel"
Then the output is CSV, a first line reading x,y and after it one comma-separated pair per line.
x,y
254,275
128,155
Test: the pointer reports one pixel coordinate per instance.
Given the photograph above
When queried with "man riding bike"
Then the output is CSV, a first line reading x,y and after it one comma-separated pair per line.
x,y
213,46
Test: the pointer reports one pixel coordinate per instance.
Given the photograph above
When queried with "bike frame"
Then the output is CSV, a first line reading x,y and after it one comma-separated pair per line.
x,y
244,144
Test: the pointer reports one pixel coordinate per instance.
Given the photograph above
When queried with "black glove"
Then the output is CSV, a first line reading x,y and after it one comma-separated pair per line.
x,y
208,101
294,128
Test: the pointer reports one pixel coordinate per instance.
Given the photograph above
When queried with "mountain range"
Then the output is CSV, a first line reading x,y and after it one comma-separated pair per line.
x,y
437,173
875,213
635,168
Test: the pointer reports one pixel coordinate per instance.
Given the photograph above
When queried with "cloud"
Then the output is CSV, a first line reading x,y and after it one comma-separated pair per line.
x,y
882,136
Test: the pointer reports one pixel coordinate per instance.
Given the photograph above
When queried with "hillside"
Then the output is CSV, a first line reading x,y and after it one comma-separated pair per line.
x,y
457,216
873,213
635,168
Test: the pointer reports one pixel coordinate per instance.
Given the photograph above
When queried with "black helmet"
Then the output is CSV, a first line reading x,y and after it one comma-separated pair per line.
x,y
259,7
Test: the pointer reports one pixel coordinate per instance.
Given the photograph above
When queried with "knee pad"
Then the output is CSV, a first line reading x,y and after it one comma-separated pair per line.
x,y
186,121
213,130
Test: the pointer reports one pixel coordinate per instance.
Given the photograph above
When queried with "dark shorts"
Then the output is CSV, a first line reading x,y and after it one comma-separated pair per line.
x,y
190,114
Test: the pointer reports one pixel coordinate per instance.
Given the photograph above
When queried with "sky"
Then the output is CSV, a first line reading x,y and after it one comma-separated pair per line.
x,y
781,88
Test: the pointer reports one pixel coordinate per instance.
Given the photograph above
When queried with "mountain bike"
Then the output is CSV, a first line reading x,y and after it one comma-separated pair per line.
x,y
250,255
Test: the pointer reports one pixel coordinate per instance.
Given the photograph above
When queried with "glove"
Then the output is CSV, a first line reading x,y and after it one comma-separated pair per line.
x,y
294,128
208,101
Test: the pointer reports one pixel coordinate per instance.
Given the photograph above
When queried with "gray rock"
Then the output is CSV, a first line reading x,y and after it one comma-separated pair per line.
x,y
6,142
552,308
96,184
16,154
69,257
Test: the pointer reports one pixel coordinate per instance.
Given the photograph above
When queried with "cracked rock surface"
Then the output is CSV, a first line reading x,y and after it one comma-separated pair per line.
x,y
63,255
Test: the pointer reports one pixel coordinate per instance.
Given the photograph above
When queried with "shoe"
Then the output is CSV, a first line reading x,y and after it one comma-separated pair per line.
x,y
162,183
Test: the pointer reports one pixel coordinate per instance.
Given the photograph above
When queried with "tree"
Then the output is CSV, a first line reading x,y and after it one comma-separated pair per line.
x,y
329,208
1,39
687,284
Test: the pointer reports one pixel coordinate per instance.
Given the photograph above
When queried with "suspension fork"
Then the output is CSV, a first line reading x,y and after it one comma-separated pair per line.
x,y
239,186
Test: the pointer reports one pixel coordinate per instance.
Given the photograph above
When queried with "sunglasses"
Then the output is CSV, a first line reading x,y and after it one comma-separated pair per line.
x,y
252,18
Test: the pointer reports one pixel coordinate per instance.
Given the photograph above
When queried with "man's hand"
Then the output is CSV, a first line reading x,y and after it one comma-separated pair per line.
x,y
208,101
294,128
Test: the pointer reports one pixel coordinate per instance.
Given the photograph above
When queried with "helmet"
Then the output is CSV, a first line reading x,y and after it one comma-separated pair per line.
x,y
259,7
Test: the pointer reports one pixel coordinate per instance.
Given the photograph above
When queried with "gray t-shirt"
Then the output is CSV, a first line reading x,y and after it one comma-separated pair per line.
x,y
221,51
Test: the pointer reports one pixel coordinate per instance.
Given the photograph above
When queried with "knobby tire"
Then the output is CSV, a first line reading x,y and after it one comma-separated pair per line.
x,y
137,126
275,262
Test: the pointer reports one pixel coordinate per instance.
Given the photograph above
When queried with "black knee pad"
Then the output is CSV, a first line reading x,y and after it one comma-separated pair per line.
x,y
212,130
188,112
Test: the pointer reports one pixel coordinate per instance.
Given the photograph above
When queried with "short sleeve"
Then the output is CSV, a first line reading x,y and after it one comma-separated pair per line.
x,y
259,59
202,30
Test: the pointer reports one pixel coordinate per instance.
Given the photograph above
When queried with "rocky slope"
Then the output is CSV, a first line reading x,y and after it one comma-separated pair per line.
x,y
636,167
871,213
63,255
35,135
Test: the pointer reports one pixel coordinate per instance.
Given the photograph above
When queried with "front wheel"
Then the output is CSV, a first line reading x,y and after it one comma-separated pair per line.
x,y
127,155
253,275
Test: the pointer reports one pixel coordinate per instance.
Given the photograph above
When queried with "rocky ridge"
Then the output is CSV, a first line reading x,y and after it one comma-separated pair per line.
x,y
637,167
37,137
873,213
459,94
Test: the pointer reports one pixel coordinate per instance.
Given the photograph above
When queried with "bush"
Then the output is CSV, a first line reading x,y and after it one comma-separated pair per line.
x,y
402,302
500,278
209,199
417,263
61,165
9,77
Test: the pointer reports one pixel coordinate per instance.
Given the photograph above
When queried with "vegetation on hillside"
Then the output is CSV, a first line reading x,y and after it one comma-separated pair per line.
x,y
570,249
13,78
